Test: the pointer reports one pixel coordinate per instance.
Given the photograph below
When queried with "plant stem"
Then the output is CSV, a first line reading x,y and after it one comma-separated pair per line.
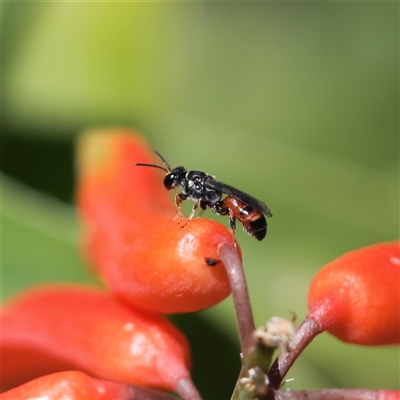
x,y
305,333
336,394
244,315
187,390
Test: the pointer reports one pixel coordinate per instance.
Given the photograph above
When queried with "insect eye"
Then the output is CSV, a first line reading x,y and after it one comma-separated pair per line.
x,y
174,178
169,181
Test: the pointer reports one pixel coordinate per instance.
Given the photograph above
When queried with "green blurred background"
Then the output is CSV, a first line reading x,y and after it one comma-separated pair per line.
x,y
295,103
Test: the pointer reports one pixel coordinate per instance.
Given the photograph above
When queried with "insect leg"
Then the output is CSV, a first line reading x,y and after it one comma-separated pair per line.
x,y
203,205
178,201
232,224
222,211
192,213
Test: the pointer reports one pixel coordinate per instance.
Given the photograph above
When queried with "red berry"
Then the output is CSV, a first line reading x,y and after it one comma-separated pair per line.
x,y
357,296
132,235
69,327
72,385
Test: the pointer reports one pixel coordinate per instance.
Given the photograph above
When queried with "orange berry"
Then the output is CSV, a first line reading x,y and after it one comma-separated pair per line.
x,y
71,327
132,235
73,385
357,296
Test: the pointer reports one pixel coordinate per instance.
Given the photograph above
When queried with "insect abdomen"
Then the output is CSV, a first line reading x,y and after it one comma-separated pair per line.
x,y
258,227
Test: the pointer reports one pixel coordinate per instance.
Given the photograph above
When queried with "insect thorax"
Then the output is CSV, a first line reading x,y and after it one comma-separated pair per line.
x,y
197,190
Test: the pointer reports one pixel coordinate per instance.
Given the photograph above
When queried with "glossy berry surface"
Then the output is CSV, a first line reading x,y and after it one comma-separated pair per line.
x,y
57,328
132,235
357,296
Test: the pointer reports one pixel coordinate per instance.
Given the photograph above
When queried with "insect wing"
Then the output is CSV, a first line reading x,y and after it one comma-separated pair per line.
x,y
246,198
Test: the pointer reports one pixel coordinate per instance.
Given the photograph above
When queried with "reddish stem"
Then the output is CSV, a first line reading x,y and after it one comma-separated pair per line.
x,y
187,390
244,315
305,333
336,394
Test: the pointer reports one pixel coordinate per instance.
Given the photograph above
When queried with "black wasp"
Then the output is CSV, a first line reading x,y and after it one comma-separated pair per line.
x,y
207,192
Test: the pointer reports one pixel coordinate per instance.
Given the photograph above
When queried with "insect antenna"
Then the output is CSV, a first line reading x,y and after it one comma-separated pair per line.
x,y
167,167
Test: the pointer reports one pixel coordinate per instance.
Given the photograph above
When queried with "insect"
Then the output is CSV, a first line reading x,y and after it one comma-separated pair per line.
x,y
207,192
